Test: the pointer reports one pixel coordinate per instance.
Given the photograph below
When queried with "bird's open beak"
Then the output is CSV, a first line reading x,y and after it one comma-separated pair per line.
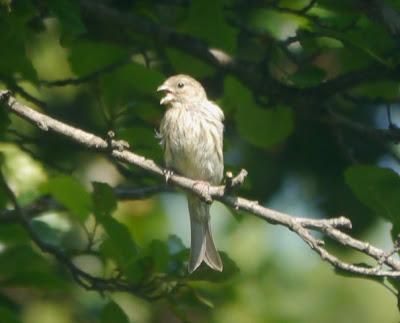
x,y
162,88
168,97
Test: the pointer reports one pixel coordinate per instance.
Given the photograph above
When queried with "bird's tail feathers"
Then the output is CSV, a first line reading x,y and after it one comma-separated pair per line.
x,y
202,246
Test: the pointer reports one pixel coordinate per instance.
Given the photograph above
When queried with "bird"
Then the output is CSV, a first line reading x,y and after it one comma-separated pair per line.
x,y
191,134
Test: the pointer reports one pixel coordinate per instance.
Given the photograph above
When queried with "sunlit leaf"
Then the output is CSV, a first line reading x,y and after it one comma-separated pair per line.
x,y
260,126
379,189
379,90
277,24
264,128
70,193
47,233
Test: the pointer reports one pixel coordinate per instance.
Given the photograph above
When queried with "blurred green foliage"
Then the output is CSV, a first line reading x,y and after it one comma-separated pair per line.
x,y
307,64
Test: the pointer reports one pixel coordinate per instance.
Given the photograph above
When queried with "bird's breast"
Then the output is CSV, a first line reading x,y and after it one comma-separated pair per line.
x,y
192,144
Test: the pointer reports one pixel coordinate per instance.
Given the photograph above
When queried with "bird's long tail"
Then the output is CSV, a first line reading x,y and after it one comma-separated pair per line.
x,y
202,246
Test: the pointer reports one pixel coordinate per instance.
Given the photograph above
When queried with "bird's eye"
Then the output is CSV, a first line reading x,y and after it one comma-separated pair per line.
x,y
181,85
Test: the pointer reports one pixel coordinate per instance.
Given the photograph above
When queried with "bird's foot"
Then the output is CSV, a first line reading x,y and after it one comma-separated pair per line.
x,y
167,174
204,189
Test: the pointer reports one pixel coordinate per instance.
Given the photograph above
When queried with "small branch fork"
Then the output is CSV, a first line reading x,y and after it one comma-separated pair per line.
x,y
83,278
387,265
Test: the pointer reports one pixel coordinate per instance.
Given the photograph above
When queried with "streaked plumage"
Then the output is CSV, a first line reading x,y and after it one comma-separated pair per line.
x,y
192,137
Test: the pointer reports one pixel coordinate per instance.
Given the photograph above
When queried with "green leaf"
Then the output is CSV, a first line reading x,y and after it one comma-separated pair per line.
x,y
113,313
69,16
119,238
4,120
13,234
6,4
3,194
264,128
307,76
104,201
277,24
119,245
261,127
143,139
7,316
128,82
140,269
395,282
71,194
206,20
235,94
376,45
14,59
378,188
378,90
188,64
47,234
88,56
23,267
158,250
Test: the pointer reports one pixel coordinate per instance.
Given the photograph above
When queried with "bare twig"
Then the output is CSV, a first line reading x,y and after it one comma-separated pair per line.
x,y
258,79
307,7
392,134
46,203
127,193
89,77
83,278
301,226
231,182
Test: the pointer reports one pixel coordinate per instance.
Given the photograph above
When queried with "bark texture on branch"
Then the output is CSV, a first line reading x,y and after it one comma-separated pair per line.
x,y
387,265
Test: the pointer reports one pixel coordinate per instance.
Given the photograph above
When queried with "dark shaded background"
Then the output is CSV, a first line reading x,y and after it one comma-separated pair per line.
x,y
305,90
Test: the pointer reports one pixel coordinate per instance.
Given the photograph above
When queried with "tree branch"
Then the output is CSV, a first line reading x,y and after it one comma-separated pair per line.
x,y
83,278
301,226
90,76
46,203
257,78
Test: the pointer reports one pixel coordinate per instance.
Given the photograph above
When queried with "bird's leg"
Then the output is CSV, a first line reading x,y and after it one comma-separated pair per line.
x,y
204,189
167,174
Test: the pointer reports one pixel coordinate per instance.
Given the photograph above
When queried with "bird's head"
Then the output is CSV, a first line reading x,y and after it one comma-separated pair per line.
x,y
181,89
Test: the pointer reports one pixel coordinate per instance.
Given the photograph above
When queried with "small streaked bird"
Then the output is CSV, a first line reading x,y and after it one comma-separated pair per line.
x,y
191,134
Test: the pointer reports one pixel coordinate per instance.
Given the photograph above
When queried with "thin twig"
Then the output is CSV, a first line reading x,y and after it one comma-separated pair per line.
x,y
89,77
301,226
83,278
